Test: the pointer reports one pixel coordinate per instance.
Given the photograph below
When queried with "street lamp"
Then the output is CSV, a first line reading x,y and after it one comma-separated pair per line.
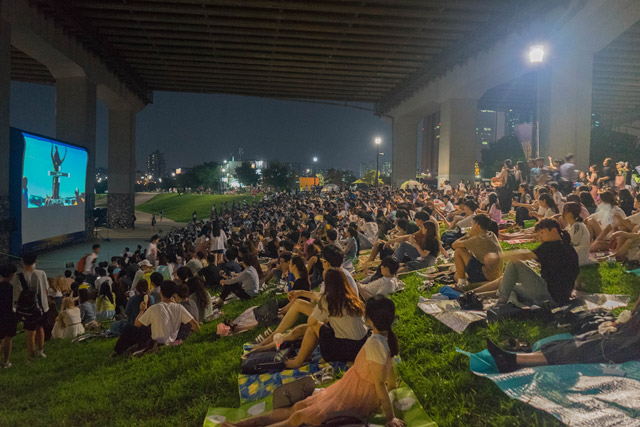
x,y
378,141
315,160
536,56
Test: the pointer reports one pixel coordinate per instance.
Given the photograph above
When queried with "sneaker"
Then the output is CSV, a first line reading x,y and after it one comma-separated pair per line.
x,y
41,354
7,365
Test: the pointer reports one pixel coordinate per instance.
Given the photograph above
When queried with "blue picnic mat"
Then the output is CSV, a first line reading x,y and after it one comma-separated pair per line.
x,y
578,395
259,386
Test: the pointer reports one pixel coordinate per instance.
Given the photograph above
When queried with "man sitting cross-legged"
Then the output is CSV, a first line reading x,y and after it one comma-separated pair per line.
x,y
158,324
477,255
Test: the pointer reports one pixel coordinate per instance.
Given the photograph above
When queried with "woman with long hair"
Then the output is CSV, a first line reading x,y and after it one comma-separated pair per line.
x,y
363,388
428,248
588,201
218,241
336,324
199,294
547,207
106,303
299,270
559,262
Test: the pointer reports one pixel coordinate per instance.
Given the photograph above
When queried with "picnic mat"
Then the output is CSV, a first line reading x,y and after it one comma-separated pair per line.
x,y
259,386
450,314
605,301
406,407
577,395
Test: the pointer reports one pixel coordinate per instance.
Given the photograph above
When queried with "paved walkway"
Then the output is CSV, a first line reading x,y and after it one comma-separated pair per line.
x,y
142,228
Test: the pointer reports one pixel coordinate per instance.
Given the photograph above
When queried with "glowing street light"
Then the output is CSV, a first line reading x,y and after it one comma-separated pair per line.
x,y
315,160
378,141
536,54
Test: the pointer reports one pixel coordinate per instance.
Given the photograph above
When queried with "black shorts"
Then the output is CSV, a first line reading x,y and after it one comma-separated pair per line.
x,y
217,251
34,324
474,271
335,349
8,327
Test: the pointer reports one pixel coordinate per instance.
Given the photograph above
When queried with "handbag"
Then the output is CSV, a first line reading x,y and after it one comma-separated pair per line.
x,y
288,394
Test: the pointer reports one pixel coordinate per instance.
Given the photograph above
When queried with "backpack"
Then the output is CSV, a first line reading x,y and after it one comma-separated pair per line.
x,y
450,236
512,182
28,307
82,263
266,362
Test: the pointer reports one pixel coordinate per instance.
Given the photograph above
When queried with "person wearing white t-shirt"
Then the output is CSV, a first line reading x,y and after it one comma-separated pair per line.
x,y
580,238
165,317
90,261
384,285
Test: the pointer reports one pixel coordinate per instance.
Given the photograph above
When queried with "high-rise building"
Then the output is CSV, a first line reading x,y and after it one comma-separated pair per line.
x,y
156,165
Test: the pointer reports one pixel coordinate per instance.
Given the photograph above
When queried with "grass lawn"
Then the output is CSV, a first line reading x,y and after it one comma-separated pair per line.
x,y
180,207
79,384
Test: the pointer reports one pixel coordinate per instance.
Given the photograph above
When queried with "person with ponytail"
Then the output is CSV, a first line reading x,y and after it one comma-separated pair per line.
x,y
559,268
578,231
361,391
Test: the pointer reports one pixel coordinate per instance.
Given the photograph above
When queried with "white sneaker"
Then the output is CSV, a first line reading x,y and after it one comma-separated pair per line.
x,y
41,354
7,365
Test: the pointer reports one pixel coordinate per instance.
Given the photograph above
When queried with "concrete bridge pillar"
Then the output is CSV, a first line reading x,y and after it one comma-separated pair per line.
x,y
76,123
5,88
565,107
405,149
457,155
122,164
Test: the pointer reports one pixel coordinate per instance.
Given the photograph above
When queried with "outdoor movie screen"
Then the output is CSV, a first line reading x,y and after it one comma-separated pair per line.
x,y
52,188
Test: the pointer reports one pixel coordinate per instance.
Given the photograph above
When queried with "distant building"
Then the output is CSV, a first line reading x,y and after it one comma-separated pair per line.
x,y
385,169
156,165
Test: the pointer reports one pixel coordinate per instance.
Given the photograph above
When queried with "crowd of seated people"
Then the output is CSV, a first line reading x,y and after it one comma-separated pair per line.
x,y
310,245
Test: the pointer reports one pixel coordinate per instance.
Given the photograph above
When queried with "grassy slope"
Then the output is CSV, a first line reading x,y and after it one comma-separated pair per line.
x,y
180,207
79,384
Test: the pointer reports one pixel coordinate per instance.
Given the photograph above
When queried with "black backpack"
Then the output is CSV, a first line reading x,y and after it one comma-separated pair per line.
x,y
28,306
512,182
266,362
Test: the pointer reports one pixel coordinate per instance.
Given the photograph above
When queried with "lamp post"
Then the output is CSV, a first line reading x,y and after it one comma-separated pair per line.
x,y
315,160
536,56
378,141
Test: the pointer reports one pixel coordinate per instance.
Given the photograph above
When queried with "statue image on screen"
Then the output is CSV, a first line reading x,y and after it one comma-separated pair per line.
x,y
55,173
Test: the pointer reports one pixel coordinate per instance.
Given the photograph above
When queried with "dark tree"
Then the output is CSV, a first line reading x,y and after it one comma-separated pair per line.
x,y
278,175
246,174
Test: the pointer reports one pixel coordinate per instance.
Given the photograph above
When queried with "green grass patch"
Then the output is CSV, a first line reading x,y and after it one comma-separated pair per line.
x,y
79,384
180,207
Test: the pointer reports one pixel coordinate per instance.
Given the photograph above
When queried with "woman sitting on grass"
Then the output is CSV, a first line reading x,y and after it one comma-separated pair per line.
x,y
68,323
198,293
621,344
105,303
88,309
336,324
363,389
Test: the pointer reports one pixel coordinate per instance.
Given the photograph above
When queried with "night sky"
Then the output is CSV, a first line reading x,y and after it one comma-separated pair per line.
x,y
192,128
